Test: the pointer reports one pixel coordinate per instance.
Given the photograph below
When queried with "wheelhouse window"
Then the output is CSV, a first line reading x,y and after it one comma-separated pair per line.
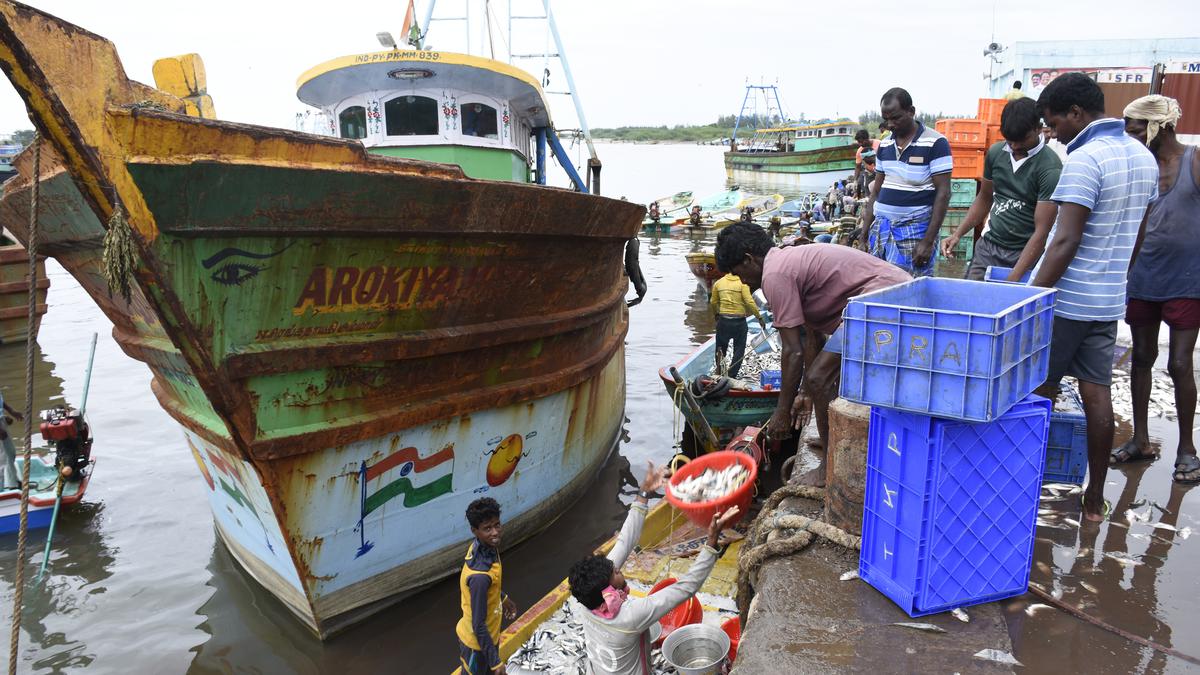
x,y
411,116
479,119
353,122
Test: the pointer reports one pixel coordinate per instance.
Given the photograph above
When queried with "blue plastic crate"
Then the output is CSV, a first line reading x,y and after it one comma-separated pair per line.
x,y
950,510
1066,446
999,275
950,348
774,378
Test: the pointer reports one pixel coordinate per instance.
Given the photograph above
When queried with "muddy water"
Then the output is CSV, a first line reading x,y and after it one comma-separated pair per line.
x,y
139,584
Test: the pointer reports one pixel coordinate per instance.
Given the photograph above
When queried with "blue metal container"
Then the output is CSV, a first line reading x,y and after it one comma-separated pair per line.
x,y
949,348
950,509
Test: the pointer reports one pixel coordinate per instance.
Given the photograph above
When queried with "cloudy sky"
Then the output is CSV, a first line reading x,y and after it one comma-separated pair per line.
x,y
635,62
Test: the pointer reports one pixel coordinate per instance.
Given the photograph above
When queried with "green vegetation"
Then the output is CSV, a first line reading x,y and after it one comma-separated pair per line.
x,y
18,137
678,133
723,128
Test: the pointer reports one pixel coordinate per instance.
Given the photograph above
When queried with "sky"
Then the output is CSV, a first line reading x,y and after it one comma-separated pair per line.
x,y
635,62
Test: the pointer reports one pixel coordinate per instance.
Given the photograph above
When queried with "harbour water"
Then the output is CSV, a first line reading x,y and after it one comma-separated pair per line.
x,y
138,582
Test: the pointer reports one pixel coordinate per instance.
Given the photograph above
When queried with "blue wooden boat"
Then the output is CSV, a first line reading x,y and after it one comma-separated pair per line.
x,y
43,477
735,410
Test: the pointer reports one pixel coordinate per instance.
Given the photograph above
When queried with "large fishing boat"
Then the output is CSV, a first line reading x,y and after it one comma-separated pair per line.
x,y
806,155
356,341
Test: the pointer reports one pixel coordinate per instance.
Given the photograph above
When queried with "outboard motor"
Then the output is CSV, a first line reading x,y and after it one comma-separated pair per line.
x,y
66,431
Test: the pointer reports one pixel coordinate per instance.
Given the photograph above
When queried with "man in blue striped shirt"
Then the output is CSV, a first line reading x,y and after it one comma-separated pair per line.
x,y
1105,186
911,191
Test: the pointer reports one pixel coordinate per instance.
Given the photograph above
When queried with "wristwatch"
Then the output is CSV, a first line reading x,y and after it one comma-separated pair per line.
x,y
646,495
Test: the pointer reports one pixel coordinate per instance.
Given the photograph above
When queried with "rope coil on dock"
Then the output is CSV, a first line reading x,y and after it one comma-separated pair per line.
x,y
763,540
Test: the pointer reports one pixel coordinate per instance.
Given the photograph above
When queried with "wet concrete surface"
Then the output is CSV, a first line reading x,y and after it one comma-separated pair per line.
x,y
1125,572
807,620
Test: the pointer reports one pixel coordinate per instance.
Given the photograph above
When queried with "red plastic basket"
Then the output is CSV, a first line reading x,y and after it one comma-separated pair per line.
x,y
701,513
733,628
686,613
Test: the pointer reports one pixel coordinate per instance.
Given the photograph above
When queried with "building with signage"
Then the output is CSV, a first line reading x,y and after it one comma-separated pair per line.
x,y
1125,69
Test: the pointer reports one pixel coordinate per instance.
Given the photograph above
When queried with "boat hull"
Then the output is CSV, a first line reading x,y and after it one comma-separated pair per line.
x,y
41,502
14,295
730,413
704,268
356,346
810,169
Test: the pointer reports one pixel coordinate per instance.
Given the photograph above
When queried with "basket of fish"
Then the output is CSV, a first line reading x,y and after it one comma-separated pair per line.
x,y
713,483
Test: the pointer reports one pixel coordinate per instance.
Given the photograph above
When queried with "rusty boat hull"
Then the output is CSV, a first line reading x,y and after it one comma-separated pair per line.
x,y
355,346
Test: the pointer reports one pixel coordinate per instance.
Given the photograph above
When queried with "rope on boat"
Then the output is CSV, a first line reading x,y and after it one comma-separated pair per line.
x,y
118,253
31,251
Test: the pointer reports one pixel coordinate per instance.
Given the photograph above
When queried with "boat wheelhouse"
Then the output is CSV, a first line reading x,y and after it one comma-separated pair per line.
x,y
486,116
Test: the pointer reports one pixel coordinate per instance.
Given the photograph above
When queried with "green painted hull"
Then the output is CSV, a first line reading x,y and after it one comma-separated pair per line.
x,y
840,158
482,163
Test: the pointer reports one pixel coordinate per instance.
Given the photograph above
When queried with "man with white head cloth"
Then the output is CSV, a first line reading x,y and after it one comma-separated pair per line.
x,y
1164,280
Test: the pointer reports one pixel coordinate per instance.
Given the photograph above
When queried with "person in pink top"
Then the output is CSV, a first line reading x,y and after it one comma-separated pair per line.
x,y
807,287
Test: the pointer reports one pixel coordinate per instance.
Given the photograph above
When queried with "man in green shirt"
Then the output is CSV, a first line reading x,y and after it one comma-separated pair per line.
x,y
1019,176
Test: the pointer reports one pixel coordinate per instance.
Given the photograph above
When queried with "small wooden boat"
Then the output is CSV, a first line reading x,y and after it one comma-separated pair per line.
x,y
673,209
738,408
704,266
666,549
43,485
14,292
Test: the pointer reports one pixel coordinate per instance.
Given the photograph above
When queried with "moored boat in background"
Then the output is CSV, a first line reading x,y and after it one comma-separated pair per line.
x,y
14,293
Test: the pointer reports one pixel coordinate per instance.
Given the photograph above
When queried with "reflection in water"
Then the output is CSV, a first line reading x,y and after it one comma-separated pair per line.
x,y
47,387
699,316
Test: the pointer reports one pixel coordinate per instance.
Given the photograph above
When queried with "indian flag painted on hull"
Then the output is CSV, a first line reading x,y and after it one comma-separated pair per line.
x,y
406,474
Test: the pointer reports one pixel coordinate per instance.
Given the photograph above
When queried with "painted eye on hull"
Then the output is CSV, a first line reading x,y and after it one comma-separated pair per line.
x,y
233,274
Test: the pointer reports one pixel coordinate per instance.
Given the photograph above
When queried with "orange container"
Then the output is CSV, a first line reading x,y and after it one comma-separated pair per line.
x,y
968,162
701,513
990,109
993,135
686,613
965,133
733,628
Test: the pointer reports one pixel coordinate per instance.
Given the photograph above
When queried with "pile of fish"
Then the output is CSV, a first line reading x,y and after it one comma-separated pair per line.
x,y
753,364
557,646
1162,395
710,485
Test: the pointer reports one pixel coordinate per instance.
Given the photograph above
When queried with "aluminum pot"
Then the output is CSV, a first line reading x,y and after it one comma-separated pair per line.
x,y
696,649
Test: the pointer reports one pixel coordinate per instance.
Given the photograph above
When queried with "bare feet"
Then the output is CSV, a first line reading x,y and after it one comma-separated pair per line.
x,y
1095,509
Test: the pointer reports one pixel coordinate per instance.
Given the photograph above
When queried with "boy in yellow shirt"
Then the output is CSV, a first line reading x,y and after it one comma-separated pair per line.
x,y
731,303
483,604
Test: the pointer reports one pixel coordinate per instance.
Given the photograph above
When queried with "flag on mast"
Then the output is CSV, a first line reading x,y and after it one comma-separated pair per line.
x,y
411,30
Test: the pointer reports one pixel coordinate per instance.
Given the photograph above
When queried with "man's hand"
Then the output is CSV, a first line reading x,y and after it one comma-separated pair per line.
x,y
510,609
780,424
948,245
801,403
719,522
655,477
923,253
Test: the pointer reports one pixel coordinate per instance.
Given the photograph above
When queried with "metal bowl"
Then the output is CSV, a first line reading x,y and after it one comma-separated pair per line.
x,y
696,649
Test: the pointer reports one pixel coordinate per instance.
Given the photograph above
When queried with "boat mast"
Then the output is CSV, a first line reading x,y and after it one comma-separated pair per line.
x,y
592,181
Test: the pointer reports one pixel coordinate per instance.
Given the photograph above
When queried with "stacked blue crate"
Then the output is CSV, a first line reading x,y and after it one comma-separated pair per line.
x,y
950,508
957,441
947,347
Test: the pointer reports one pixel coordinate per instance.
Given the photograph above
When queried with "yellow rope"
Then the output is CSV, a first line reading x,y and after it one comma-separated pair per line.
x,y
31,251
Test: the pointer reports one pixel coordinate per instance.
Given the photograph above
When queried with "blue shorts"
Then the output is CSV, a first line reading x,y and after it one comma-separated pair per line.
x,y
834,344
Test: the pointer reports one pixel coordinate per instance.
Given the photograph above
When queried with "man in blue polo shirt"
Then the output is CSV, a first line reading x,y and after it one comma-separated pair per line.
x,y
911,191
1105,186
